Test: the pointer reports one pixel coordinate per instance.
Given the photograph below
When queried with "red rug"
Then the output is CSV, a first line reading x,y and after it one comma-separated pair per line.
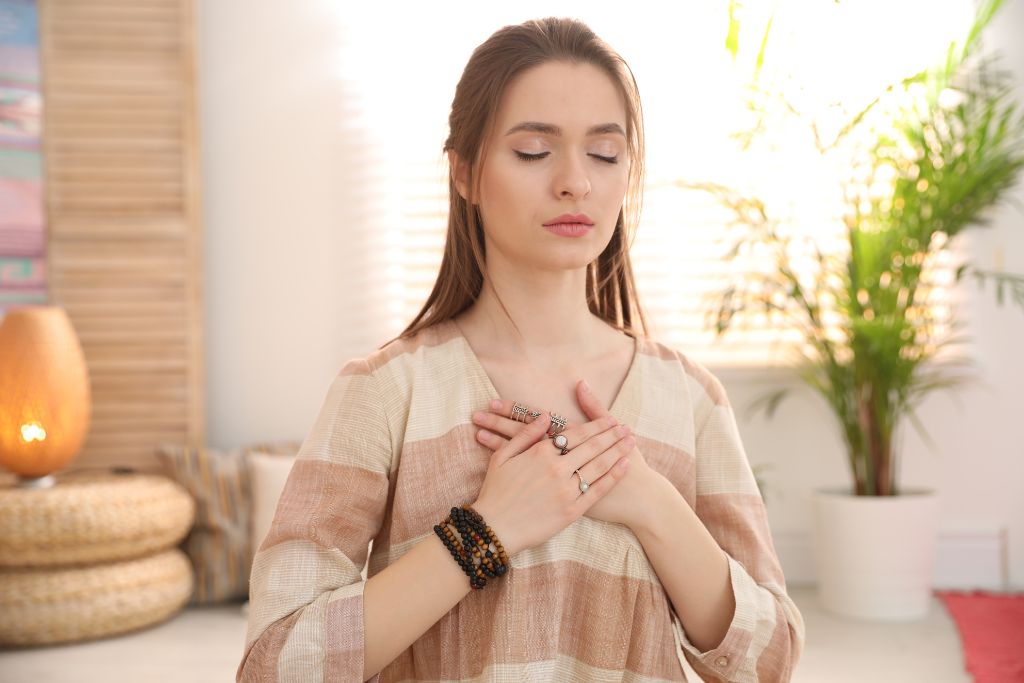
x,y
991,629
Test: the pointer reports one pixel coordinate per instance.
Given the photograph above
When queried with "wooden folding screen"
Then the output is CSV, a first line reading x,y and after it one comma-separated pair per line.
x,y
121,155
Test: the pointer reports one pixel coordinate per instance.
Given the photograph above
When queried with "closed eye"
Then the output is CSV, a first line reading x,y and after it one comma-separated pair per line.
x,y
531,157
537,157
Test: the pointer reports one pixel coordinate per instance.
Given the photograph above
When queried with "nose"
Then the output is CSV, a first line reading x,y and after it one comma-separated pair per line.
x,y
572,179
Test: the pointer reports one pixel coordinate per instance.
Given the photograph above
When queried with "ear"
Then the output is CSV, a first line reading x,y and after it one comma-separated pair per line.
x,y
460,173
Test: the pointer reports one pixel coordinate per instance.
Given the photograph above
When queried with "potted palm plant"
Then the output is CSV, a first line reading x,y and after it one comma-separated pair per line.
x,y
928,158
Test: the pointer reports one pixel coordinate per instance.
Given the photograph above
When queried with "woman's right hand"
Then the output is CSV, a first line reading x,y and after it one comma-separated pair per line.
x,y
530,492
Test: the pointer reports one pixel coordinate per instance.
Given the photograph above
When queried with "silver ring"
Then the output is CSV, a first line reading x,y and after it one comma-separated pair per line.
x,y
557,424
584,484
519,412
561,443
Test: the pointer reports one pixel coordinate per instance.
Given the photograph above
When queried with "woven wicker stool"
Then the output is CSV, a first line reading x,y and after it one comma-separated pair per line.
x,y
91,517
49,606
93,556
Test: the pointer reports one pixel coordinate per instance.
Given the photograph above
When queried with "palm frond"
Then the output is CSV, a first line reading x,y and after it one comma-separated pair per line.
x,y
873,343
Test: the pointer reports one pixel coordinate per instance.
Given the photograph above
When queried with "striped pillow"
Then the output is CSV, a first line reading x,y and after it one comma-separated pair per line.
x,y
219,544
290,448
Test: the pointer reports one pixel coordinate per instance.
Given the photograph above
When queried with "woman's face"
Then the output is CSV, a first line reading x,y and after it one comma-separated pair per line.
x,y
558,148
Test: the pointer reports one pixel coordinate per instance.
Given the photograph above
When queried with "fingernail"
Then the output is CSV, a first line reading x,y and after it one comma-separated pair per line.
x,y
586,387
496,405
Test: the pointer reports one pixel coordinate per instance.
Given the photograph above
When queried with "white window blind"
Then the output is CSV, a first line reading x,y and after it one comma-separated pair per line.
x,y
401,70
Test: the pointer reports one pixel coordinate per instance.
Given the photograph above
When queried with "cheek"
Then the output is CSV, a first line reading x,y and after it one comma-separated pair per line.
x,y
507,186
507,196
615,186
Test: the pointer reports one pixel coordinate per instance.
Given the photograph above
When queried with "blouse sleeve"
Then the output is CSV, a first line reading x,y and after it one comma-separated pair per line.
x,y
306,589
766,635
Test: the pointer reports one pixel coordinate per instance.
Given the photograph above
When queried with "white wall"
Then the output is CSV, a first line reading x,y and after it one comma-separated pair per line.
x,y
288,249
284,205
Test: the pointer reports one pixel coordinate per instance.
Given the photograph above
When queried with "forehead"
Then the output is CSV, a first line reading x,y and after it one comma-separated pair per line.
x,y
571,96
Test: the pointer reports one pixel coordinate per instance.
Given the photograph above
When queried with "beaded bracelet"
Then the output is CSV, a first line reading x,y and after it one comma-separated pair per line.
x,y
480,527
456,549
480,565
460,555
473,554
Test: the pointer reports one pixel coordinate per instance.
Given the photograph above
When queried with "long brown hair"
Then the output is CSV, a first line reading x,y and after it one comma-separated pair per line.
x,y
611,291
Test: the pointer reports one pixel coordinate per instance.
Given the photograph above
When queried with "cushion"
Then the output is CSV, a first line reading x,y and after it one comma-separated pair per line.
x,y
268,474
219,545
91,517
49,605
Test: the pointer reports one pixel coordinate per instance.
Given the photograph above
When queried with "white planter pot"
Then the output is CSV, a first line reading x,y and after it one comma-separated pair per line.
x,y
875,554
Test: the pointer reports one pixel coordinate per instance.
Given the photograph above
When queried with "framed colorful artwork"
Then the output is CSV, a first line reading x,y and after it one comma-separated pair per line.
x,y
22,224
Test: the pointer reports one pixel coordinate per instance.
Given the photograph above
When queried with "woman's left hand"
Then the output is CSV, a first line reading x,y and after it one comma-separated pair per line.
x,y
624,503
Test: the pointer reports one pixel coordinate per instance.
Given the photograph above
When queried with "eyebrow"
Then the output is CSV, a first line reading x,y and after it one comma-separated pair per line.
x,y
551,129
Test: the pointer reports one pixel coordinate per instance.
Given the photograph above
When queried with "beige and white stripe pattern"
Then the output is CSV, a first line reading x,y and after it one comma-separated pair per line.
x,y
386,459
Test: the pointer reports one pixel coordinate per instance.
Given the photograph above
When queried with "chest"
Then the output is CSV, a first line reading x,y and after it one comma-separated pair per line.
x,y
555,391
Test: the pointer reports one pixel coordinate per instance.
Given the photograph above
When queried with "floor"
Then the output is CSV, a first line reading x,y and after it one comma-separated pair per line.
x,y
200,645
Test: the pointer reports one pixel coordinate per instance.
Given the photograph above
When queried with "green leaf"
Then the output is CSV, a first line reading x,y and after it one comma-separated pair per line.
x,y
732,38
764,46
768,402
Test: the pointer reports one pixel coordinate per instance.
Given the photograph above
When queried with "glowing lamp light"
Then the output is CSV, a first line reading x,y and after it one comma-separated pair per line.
x,y
45,399
32,432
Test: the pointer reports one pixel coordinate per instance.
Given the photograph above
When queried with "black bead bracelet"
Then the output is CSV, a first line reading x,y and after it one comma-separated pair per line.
x,y
473,554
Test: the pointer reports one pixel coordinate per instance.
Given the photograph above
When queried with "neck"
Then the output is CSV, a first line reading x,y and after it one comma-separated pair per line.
x,y
549,307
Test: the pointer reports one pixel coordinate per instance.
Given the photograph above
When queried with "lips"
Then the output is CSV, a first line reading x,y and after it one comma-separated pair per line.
x,y
569,229
570,219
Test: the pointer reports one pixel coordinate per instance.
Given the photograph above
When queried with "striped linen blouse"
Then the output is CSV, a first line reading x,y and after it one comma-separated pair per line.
x,y
393,449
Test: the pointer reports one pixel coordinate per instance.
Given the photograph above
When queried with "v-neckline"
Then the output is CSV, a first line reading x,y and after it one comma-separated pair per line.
x,y
478,367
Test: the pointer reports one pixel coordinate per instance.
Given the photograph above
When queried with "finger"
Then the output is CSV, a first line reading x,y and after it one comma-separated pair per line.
x,y
589,402
496,423
527,437
600,487
501,407
582,434
599,466
504,408
490,439
593,447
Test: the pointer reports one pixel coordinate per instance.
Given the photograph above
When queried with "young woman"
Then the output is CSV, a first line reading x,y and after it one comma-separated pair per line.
x,y
551,495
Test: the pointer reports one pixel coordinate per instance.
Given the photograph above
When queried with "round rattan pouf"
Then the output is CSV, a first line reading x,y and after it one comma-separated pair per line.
x,y
49,606
89,518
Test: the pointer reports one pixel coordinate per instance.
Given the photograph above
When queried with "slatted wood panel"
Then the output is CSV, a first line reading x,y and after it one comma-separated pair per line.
x,y
123,215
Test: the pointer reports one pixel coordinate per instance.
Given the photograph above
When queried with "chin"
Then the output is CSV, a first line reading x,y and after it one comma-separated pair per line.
x,y
573,257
